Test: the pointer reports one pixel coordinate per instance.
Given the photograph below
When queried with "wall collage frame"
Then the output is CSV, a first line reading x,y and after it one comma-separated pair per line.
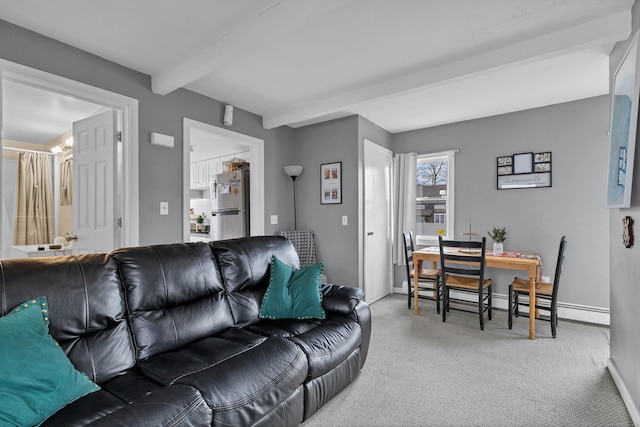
x,y
524,170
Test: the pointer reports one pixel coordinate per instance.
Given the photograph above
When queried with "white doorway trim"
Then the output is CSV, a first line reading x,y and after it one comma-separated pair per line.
x,y
129,108
256,149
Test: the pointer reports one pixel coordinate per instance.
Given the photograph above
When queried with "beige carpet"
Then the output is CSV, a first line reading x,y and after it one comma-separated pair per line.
x,y
423,372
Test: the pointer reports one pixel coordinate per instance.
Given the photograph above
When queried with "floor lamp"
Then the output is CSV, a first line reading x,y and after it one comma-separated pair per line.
x,y
294,171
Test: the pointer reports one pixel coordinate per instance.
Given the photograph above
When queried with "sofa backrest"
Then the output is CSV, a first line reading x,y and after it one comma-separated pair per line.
x,y
175,295
86,308
245,266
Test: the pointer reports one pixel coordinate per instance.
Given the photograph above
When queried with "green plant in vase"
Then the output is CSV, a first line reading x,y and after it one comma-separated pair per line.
x,y
499,235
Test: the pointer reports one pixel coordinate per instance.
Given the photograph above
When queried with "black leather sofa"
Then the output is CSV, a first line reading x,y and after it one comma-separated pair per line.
x,y
171,334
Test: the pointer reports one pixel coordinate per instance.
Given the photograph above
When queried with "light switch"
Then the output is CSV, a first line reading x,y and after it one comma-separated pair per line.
x,y
345,220
274,219
164,208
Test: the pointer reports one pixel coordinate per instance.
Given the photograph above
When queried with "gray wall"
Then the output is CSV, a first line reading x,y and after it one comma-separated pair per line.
x,y
160,168
625,267
338,140
535,219
329,142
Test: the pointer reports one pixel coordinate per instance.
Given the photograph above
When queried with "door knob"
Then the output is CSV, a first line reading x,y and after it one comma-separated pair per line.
x,y
370,233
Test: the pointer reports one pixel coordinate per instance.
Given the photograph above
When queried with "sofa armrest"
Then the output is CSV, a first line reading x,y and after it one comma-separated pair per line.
x,y
349,302
340,299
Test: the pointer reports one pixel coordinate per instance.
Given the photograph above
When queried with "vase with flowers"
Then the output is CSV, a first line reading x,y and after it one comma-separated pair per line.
x,y
499,235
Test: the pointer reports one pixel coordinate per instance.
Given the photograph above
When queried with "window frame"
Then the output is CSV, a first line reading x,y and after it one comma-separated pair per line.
x,y
430,240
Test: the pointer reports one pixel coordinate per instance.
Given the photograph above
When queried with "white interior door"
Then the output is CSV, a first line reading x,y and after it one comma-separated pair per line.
x,y
378,280
94,186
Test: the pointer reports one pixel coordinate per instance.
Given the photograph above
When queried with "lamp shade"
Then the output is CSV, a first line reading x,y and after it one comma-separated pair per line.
x,y
293,170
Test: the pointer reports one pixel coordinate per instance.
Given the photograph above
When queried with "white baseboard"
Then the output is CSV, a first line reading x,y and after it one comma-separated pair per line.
x,y
624,393
568,311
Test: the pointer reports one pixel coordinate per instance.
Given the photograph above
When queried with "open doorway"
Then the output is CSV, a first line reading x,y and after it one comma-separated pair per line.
x,y
207,149
51,97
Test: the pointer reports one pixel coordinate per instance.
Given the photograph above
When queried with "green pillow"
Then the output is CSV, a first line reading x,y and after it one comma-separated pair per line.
x,y
36,377
293,294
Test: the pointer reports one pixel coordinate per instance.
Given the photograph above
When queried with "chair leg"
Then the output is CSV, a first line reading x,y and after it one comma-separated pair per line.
x,y
438,291
445,302
554,319
481,309
409,293
510,306
490,300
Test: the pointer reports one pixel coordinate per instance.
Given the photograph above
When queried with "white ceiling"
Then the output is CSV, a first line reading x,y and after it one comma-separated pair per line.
x,y
37,116
403,64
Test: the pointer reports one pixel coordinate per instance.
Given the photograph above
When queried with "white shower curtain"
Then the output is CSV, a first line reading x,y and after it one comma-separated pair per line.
x,y
404,166
33,221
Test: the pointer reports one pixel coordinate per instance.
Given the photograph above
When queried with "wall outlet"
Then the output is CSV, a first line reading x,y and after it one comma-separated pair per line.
x,y
274,219
164,208
345,220
546,279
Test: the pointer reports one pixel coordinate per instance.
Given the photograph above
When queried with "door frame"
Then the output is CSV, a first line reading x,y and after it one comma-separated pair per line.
x,y
126,106
361,212
256,149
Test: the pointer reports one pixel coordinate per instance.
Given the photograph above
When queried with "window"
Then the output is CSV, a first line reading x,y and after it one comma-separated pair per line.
x,y
434,197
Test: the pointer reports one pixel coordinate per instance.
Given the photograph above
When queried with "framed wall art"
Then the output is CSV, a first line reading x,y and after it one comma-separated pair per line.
x,y
331,183
622,132
524,170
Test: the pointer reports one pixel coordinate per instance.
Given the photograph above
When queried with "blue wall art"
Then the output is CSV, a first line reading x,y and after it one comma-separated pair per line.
x,y
624,117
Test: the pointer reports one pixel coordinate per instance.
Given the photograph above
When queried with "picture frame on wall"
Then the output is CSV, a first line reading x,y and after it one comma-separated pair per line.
x,y
524,170
331,183
622,131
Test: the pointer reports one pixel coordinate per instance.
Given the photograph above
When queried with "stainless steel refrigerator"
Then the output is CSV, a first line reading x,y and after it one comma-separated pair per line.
x,y
229,205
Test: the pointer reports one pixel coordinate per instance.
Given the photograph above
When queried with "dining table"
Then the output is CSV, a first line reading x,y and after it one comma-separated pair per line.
x,y
531,262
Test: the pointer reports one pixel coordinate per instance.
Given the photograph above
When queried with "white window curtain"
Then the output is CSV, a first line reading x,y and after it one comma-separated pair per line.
x,y
404,167
33,222
66,182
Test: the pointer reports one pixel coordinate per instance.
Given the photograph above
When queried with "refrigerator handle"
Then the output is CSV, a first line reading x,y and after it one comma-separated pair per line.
x,y
213,189
226,212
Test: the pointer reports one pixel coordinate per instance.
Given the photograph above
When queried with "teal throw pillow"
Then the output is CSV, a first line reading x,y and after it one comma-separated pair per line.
x,y
36,377
293,294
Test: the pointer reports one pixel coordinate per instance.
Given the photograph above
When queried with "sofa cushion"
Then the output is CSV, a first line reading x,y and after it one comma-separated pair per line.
x,y
248,386
245,265
166,368
326,343
85,410
292,294
86,308
329,344
175,295
37,377
177,405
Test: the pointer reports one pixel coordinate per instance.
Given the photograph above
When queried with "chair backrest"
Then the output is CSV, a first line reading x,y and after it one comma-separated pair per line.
x,y
463,258
305,243
408,253
556,277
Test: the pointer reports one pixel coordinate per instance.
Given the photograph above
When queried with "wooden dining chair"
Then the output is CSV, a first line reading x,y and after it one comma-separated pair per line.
x,y
546,295
428,278
462,264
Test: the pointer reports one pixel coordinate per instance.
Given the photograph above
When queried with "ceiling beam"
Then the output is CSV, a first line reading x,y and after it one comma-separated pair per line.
x,y
259,30
601,32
